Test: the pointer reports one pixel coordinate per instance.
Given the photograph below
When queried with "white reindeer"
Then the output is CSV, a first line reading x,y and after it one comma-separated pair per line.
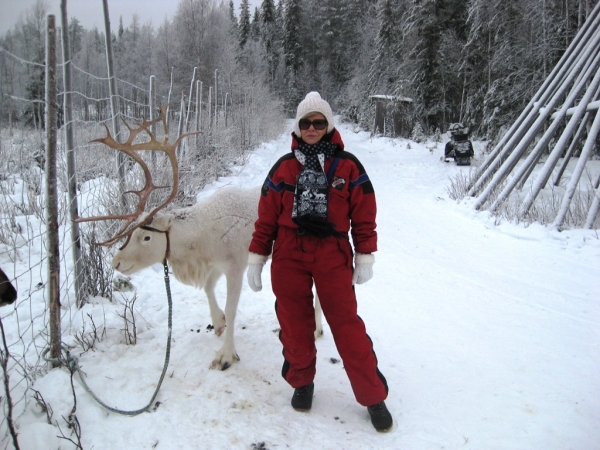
x,y
201,243
206,240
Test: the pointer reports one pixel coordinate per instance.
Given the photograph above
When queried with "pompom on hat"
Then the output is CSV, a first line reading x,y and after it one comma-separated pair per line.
x,y
313,103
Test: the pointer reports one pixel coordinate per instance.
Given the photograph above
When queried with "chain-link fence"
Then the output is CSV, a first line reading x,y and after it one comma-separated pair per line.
x,y
229,123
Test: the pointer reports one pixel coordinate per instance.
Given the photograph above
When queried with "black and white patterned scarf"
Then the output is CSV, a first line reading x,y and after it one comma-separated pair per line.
x,y
312,191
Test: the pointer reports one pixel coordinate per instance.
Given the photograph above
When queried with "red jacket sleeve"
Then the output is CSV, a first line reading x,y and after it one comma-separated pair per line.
x,y
270,207
363,209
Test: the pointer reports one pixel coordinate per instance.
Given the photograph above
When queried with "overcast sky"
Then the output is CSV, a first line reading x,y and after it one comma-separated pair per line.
x,y
90,12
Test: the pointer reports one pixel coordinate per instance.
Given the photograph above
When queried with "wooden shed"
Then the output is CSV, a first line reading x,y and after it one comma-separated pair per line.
x,y
393,115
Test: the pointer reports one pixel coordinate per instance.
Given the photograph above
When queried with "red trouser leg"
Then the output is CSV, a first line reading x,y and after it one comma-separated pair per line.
x,y
329,263
292,285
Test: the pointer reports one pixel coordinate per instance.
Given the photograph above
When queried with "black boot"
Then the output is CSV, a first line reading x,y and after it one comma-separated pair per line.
x,y
302,398
380,417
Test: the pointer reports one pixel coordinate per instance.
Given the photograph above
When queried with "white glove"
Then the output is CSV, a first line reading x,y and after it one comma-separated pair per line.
x,y
255,267
363,268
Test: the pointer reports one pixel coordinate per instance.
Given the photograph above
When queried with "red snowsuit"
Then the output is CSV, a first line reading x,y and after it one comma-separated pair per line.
x,y
300,259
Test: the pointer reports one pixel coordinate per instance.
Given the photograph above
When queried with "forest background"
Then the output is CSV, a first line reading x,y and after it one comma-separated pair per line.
x,y
474,61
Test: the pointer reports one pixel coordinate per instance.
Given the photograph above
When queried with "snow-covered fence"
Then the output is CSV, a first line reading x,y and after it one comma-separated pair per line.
x,y
24,223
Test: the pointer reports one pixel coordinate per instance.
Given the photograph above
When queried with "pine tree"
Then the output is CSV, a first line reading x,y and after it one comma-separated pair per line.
x,y
280,11
234,30
280,24
121,29
291,39
353,99
336,36
255,26
76,32
496,64
269,36
434,29
244,26
292,47
232,16
381,73
418,135
267,12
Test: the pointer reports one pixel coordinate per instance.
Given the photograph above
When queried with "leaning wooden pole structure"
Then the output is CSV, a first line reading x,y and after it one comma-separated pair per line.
x,y
524,122
560,112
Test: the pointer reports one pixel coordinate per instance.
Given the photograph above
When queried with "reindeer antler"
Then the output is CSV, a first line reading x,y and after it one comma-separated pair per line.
x,y
129,148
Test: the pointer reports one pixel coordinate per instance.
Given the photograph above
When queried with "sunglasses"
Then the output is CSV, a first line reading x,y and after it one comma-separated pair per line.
x,y
319,124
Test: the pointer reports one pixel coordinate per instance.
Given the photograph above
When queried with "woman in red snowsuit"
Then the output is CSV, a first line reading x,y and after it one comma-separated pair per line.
x,y
312,198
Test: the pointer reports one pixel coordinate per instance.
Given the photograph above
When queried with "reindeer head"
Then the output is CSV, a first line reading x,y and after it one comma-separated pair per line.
x,y
147,245
134,220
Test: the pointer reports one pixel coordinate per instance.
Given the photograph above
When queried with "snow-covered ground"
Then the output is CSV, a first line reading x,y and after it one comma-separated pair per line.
x,y
488,335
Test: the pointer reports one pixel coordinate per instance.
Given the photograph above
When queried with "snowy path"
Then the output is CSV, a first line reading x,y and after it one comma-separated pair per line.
x,y
488,336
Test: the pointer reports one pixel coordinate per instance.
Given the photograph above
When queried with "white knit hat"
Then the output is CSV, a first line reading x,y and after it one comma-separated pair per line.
x,y
313,103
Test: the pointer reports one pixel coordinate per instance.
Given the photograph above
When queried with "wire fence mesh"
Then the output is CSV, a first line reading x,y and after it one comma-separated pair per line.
x,y
231,123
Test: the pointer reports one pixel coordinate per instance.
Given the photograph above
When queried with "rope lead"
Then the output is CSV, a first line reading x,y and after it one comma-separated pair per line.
x,y
73,363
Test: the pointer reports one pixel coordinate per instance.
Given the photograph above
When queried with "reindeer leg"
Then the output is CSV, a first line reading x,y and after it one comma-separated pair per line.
x,y
227,354
216,314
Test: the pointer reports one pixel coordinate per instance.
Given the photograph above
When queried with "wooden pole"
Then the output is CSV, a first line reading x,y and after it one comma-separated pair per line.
x,y
586,152
114,106
216,98
52,245
595,206
189,106
225,107
181,149
72,176
582,128
198,110
209,106
169,101
152,112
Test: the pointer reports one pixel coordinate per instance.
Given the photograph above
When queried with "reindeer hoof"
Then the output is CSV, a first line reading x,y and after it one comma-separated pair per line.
x,y
217,365
219,324
226,365
221,364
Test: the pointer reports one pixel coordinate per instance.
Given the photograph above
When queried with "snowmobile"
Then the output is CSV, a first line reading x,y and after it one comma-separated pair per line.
x,y
459,148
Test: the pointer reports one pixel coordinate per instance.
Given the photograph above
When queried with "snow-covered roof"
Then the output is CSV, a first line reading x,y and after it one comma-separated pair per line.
x,y
391,98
